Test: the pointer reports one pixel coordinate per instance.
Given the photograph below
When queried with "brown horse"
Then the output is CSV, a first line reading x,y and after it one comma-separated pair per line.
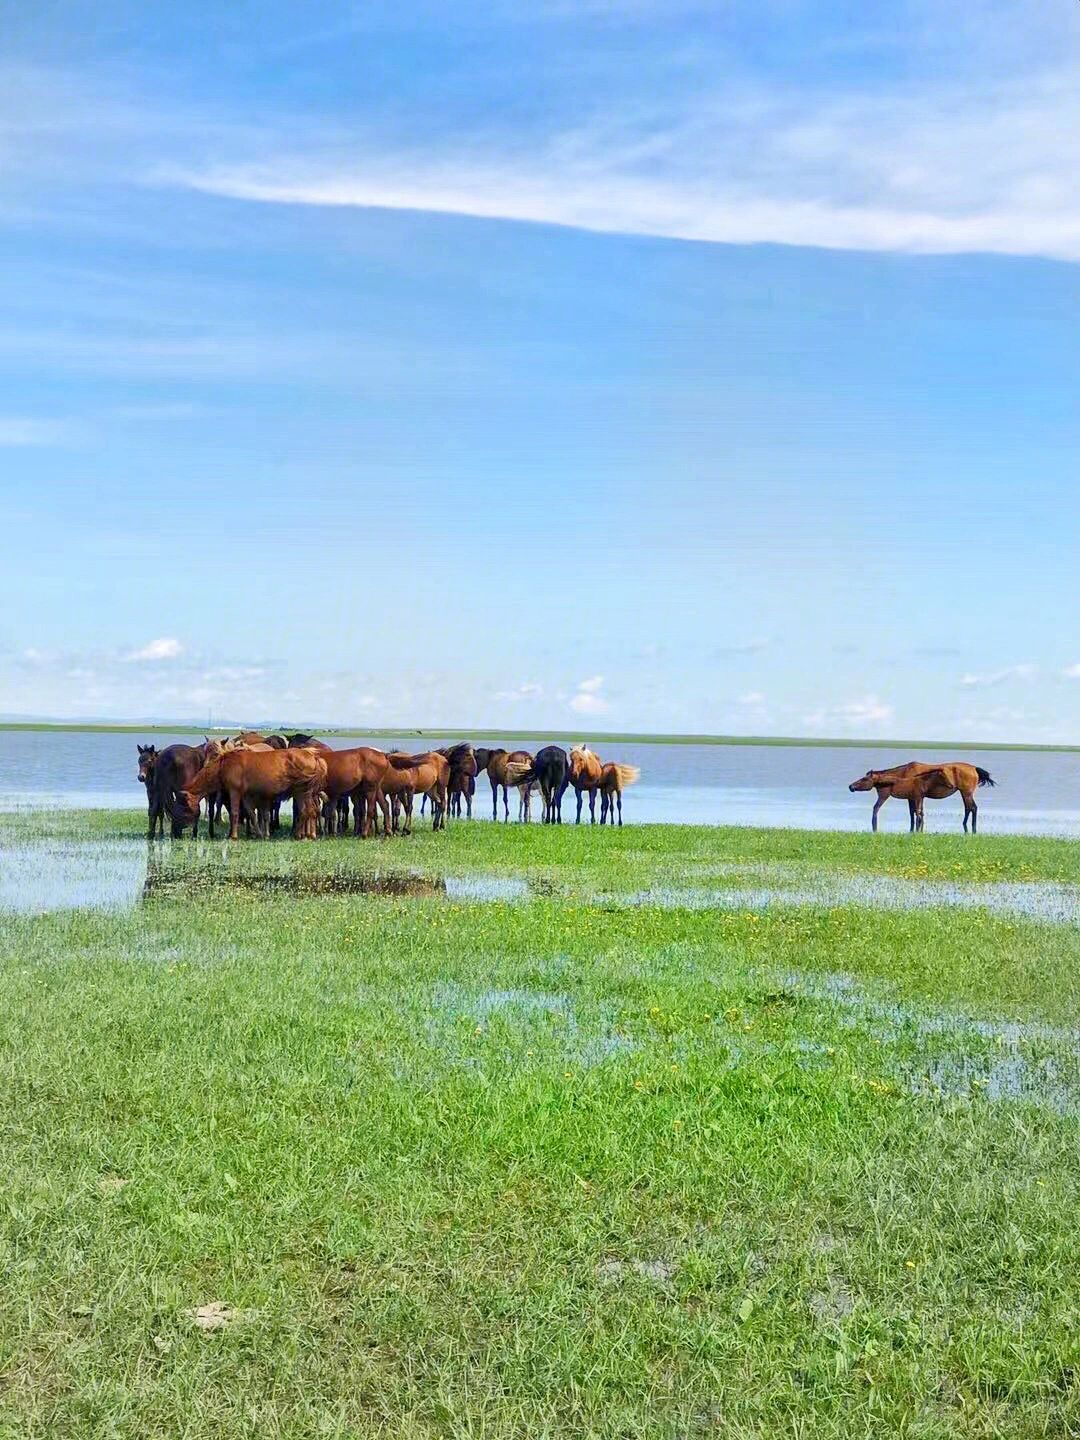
x,y
463,771
586,770
173,768
495,763
917,781
147,765
351,774
614,779
410,775
253,779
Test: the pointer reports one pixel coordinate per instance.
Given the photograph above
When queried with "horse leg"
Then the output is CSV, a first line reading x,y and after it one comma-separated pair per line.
x,y
913,815
235,808
580,798
506,804
618,797
877,806
592,807
972,810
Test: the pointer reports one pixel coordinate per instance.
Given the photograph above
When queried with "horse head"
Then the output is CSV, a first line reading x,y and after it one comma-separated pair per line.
x,y
864,782
147,761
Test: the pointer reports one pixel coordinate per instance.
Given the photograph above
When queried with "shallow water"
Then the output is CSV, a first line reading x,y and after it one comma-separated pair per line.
x,y
947,1053
1027,899
805,786
52,875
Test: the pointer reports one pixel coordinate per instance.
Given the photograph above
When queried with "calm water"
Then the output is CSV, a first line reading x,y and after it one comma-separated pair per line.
x,y
1038,792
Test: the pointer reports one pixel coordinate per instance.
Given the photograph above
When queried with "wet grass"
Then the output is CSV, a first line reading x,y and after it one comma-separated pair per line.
x,y
450,1165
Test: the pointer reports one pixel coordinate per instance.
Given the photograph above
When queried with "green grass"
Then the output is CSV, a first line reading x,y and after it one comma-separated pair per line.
x,y
553,1168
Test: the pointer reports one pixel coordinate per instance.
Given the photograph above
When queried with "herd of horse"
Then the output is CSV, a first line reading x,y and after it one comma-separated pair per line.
x,y
250,775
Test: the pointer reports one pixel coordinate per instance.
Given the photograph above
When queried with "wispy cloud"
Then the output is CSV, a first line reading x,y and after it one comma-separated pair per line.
x,y
866,713
990,678
753,699
165,648
949,171
1072,672
528,690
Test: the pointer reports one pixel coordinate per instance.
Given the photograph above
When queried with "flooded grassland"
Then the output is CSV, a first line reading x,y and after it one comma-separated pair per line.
x,y
517,1131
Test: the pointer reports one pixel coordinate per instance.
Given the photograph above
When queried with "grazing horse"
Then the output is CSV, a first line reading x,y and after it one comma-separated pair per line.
x,y
551,770
586,770
409,775
173,768
916,781
495,763
614,778
253,780
147,764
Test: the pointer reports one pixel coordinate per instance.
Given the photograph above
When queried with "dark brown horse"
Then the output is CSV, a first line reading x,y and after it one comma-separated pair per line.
x,y
551,771
463,771
147,764
918,781
174,767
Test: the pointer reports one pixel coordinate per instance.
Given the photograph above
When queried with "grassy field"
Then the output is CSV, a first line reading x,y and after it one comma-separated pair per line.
x,y
612,1155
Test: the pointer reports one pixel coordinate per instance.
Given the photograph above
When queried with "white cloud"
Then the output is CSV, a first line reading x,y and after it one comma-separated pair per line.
x,y
1072,672
165,648
752,698
969,169
867,713
589,699
998,677
528,690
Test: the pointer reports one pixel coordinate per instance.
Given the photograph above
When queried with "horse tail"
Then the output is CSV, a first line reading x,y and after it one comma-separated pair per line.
x,y
627,775
985,778
520,772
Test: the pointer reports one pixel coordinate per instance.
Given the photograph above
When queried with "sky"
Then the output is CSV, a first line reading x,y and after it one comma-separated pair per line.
x,y
647,365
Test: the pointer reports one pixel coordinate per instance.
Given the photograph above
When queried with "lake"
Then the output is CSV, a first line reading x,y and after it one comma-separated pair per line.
x,y
1038,791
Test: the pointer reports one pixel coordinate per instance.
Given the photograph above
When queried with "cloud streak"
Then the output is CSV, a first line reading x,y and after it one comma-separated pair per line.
x,y
946,173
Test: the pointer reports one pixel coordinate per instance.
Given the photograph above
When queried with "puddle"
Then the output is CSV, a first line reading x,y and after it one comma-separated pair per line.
x,y
991,1058
542,1016
72,875
1025,899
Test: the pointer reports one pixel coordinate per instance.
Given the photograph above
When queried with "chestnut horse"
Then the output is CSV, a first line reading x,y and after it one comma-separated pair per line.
x,y
409,775
253,780
351,774
495,763
917,781
586,770
614,779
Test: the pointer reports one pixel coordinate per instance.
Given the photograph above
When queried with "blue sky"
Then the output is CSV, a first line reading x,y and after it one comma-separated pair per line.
x,y
588,364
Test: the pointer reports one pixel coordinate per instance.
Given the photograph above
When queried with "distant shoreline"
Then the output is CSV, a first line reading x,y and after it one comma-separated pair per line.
x,y
596,737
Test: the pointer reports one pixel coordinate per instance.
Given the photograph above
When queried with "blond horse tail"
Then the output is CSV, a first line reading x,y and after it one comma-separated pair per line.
x,y
627,775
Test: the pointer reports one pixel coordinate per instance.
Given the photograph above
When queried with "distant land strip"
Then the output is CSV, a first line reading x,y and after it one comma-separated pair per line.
x,y
593,737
